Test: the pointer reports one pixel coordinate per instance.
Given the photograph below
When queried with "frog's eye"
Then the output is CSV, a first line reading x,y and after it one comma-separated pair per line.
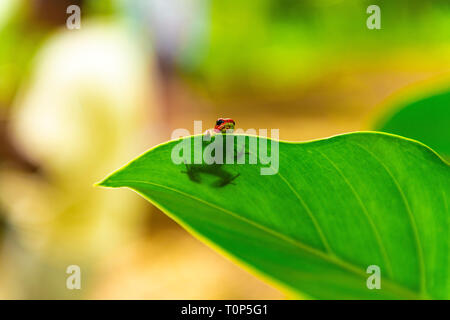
x,y
219,122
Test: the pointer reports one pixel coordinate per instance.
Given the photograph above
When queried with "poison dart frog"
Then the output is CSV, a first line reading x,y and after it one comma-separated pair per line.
x,y
224,125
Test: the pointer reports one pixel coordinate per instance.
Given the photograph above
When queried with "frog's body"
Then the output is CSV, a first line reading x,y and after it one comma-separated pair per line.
x,y
223,125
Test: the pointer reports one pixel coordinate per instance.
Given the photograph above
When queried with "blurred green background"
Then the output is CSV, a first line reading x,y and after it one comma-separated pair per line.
x,y
77,104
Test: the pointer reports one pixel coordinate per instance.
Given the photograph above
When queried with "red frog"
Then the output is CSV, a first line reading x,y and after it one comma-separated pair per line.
x,y
224,124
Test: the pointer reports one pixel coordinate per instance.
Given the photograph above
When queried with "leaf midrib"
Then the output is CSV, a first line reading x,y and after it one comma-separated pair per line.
x,y
333,259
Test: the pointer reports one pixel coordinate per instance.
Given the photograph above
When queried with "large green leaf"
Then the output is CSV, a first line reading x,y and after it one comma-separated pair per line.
x,y
426,120
335,207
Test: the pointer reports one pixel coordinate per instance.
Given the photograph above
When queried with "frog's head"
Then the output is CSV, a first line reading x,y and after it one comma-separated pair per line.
x,y
224,124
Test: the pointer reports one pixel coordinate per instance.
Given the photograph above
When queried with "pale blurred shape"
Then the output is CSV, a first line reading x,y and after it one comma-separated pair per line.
x,y
177,27
88,108
7,7
87,100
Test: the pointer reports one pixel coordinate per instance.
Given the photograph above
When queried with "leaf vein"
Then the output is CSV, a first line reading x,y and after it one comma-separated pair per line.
x,y
310,214
366,213
419,249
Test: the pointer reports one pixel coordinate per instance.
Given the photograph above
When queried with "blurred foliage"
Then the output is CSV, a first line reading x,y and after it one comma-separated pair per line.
x,y
19,42
271,44
426,119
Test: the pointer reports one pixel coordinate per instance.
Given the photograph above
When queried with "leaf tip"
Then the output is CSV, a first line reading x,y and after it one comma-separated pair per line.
x,y
106,183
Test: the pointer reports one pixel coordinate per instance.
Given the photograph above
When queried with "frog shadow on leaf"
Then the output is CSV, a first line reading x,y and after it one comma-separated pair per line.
x,y
194,171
